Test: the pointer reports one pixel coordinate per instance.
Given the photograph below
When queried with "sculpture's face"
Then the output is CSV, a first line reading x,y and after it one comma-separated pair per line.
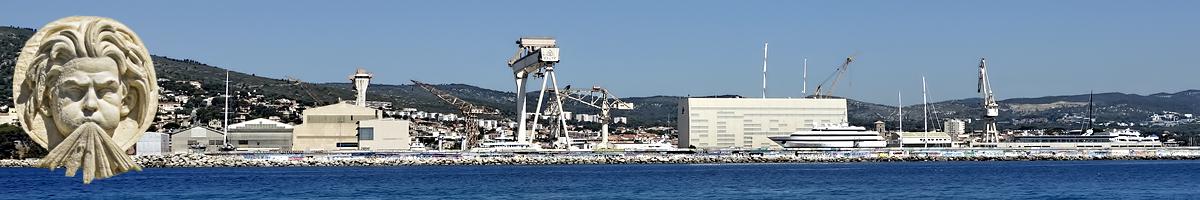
x,y
88,90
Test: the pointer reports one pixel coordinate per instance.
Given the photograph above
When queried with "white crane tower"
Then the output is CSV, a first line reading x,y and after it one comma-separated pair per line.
x,y
598,98
990,107
537,56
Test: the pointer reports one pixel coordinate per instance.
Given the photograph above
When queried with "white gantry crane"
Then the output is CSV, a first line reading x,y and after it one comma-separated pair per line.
x,y
598,98
991,109
535,56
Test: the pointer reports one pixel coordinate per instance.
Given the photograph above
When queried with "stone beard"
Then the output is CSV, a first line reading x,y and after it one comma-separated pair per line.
x,y
85,89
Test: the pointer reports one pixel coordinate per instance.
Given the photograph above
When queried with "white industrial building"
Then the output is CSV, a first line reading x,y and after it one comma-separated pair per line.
x,y
261,135
955,127
331,127
720,123
10,117
199,139
153,143
926,139
384,134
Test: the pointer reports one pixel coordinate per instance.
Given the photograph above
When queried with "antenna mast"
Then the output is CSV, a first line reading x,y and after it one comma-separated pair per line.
x,y
764,83
804,90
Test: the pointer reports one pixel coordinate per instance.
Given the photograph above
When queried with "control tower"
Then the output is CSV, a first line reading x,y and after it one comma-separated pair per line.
x,y
361,79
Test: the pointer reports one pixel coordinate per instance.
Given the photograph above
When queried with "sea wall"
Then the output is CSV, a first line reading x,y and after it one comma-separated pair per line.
x,y
197,160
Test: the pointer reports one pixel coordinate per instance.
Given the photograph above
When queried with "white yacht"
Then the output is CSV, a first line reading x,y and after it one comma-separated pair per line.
x,y
1115,138
505,144
832,136
1085,138
660,145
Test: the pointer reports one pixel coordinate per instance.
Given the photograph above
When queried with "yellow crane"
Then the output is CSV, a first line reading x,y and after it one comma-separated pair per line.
x,y
470,111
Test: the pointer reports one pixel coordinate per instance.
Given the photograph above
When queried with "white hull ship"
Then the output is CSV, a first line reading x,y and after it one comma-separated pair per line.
x,y
1085,138
506,144
832,136
1118,138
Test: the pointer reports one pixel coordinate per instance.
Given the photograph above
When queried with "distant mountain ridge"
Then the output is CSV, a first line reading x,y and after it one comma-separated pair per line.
x,y
659,110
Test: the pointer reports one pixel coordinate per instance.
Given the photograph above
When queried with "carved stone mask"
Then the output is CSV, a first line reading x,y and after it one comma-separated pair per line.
x,y
85,89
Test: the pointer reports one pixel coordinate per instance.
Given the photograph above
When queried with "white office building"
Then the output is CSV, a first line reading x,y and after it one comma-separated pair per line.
x,y
955,127
153,143
728,123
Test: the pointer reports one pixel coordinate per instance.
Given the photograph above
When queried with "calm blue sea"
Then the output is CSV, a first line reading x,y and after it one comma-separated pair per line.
x,y
940,180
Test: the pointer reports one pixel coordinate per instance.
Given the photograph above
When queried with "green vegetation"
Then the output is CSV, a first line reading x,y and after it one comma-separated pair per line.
x,y
15,144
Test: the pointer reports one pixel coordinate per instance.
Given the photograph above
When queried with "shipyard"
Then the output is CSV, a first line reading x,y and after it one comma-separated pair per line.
x,y
707,99
718,129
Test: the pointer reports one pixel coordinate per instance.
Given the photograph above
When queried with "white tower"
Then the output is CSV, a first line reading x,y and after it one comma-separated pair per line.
x,y
764,70
361,80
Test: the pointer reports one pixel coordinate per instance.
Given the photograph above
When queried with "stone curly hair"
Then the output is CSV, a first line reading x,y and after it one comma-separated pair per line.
x,y
84,37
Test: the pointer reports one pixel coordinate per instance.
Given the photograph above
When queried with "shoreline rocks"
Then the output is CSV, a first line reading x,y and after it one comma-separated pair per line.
x,y
198,160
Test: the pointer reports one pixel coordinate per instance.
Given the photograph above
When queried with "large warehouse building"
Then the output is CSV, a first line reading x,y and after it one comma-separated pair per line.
x,y
262,135
728,123
332,127
383,135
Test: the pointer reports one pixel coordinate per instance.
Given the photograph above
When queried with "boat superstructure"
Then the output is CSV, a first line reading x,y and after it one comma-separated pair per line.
x,y
505,144
832,136
1113,138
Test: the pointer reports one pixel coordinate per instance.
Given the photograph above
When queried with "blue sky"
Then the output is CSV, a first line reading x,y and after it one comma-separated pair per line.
x,y
642,48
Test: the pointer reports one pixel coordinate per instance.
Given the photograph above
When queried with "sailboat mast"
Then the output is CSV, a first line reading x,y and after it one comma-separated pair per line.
x,y
900,107
925,101
225,124
1091,113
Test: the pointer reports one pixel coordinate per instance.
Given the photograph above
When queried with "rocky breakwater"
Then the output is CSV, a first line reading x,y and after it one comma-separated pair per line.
x,y
197,160
18,163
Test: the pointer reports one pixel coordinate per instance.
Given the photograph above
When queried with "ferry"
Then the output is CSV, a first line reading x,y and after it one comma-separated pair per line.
x,y
832,136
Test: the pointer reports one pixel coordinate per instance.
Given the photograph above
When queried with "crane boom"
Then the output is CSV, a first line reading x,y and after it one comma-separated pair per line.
x,y
462,105
599,98
837,76
471,111
297,81
990,107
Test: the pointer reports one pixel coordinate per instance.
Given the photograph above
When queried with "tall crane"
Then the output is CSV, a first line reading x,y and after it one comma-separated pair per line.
x,y
535,56
296,81
471,111
991,109
599,98
837,75
555,118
